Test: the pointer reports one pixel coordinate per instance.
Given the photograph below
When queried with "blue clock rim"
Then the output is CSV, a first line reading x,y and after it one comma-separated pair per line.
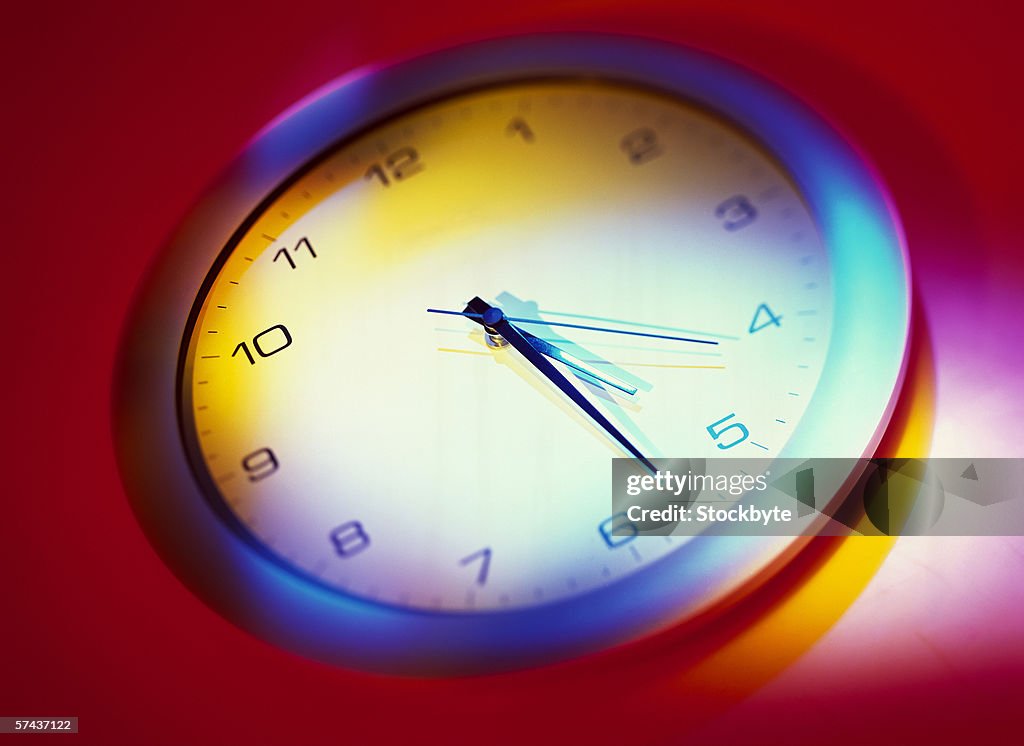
x,y
870,269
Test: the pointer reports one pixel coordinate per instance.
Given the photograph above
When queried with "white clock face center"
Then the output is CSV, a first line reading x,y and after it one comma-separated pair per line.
x,y
394,454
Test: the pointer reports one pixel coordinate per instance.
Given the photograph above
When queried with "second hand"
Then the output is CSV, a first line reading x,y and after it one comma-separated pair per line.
x,y
580,326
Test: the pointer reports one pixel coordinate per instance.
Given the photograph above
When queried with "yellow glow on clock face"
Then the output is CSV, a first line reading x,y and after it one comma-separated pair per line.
x,y
394,454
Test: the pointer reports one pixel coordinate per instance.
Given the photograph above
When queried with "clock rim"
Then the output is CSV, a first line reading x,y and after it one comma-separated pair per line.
x,y
279,604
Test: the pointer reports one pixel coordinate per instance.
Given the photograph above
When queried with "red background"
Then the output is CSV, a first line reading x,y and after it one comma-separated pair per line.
x,y
117,117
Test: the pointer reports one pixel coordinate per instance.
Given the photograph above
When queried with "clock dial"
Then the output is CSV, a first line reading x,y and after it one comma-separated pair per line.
x,y
369,397
398,456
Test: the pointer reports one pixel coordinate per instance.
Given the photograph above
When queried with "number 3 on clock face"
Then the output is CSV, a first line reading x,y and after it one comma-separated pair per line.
x,y
679,246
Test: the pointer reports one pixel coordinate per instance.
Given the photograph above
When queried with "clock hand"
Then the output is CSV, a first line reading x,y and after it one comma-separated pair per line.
x,y
475,316
495,319
546,348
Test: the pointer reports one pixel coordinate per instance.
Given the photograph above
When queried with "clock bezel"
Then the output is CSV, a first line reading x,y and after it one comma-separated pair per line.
x,y
869,264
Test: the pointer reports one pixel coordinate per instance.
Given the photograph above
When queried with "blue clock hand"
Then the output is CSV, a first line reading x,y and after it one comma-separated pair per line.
x,y
495,319
557,353
475,316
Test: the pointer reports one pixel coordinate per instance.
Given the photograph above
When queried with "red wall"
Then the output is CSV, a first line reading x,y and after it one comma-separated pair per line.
x,y
116,118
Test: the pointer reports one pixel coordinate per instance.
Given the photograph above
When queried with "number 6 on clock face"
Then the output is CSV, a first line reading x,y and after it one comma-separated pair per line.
x,y
673,249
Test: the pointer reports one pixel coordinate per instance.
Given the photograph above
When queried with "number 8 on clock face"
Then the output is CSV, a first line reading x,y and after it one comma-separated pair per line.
x,y
678,243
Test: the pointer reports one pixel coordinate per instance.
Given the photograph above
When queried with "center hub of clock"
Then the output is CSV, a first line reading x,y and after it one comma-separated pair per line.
x,y
492,316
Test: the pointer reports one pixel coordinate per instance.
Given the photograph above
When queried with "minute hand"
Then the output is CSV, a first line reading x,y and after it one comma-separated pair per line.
x,y
546,348
495,319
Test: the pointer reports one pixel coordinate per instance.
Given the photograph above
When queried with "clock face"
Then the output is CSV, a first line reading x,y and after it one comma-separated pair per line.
x,y
428,306
393,453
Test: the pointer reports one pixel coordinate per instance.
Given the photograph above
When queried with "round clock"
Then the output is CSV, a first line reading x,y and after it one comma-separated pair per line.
x,y
368,400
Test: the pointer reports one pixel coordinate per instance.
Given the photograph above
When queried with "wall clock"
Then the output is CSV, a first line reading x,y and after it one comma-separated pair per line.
x,y
369,396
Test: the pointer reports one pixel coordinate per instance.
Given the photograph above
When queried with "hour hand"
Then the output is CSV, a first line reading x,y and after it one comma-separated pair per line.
x,y
556,353
477,307
493,318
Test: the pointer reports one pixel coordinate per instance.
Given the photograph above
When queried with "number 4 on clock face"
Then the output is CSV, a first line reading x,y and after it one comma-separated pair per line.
x,y
763,318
